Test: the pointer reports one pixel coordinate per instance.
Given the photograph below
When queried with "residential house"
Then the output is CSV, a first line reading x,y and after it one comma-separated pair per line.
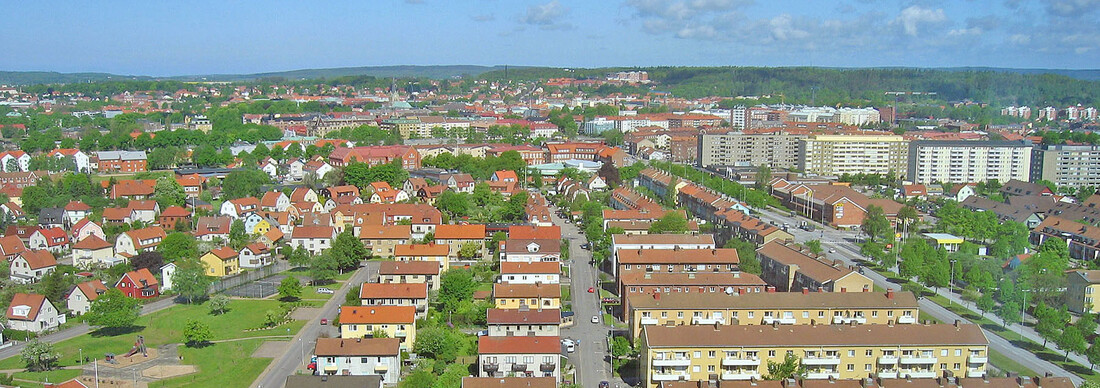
x,y
11,246
303,194
359,357
145,211
29,266
33,313
523,322
395,321
192,185
133,189
85,228
53,239
1082,290
76,211
274,201
460,183
15,161
515,382
314,239
80,159
120,161
221,262
532,232
530,272
657,241
93,251
383,193
537,296
240,208
792,267
82,295
255,255
458,235
438,253
417,272
172,216
139,284
296,169
118,215
1021,188
382,240
132,242
51,217
531,251
519,357
396,294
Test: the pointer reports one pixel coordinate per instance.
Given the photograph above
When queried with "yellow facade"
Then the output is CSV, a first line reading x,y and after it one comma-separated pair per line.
x,y
261,228
217,267
534,303
885,359
406,332
1082,291
768,316
444,261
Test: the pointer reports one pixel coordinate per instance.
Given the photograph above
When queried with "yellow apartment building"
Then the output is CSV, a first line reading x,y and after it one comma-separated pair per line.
x,y
532,296
396,321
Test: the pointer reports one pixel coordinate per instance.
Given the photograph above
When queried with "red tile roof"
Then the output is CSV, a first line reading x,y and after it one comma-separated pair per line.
x,y
377,314
38,259
393,290
34,301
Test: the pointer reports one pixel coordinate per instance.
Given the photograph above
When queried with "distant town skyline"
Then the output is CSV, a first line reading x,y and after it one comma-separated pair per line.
x,y
209,37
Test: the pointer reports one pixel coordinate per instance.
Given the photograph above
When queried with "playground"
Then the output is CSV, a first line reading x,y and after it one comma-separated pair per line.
x,y
136,368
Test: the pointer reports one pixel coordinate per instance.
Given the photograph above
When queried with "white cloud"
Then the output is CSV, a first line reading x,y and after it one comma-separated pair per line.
x,y
782,28
1071,8
911,18
965,31
545,14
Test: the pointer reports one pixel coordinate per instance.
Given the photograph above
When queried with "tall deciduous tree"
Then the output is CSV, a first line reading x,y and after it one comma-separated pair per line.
x,y
875,224
113,310
39,356
1071,341
190,279
178,245
671,222
455,286
790,367
348,250
168,192
290,288
323,268
197,333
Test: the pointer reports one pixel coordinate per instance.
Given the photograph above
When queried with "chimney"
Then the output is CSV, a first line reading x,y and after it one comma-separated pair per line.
x,y
805,291
890,293
771,289
956,325
657,295
1020,381
866,288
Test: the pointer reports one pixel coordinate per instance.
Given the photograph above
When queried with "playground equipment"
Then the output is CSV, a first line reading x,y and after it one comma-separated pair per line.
x,y
139,346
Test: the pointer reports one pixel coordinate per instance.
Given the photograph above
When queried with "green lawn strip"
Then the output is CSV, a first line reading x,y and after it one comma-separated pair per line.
x,y
1007,364
53,376
166,327
310,292
220,365
566,294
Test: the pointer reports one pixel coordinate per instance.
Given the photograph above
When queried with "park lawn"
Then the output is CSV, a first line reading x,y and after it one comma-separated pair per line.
x,y
54,376
166,326
226,364
1007,364
310,292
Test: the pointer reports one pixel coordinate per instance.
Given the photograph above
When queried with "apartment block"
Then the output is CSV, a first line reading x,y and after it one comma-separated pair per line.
x,y
968,161
785,308
519,357
792,267
1083,287
774,148
834,155
523,322
1066,165
833,352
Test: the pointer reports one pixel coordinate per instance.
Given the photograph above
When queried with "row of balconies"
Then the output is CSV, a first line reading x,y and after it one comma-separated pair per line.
x,y
518,367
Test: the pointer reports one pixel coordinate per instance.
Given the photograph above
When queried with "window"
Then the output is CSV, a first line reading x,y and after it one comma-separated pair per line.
x,y
695,368
821,314
943,352
943,366
697,354
870,353
771,353
805,314
711,354
664,314
528,359
958,352
750,314
957,366
710,368
679,314
851,353
874,314
364,360
851,367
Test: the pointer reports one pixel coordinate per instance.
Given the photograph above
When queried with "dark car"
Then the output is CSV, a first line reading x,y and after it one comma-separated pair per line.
x,y
604,384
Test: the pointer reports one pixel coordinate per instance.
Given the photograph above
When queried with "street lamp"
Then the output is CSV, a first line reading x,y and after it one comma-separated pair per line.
x,y
951,283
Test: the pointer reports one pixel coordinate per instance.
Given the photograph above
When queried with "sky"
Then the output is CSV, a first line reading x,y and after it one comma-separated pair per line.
x,y
165,38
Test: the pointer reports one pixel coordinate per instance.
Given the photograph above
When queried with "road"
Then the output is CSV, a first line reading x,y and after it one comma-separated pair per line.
x,y
296,356
81,329
847,251
590,358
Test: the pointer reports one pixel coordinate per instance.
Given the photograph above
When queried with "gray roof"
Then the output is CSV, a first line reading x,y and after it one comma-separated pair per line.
x,y
121,155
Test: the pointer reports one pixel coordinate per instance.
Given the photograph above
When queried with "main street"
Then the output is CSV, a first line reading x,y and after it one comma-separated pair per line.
x,y
841,245
296,356
590,358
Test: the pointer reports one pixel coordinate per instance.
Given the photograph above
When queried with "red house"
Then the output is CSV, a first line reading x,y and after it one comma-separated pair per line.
x,y
139,284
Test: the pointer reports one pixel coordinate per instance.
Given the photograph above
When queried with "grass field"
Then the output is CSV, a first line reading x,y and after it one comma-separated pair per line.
x,y
166,327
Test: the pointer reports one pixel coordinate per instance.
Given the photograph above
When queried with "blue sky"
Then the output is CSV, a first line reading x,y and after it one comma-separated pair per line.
x,y
206,37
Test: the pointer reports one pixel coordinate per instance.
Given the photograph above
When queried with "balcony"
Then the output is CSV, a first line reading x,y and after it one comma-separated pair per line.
x,y
730,361
848,320
907,319
706,321
670,376
918,359
975,372
740,375
888,374
917,374
821,361
888,360
400,333
822,375
972,359
649,321
672,361
519,367
781,321
491,368
548,367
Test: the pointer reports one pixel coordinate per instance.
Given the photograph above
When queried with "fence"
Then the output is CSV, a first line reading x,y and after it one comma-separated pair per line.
x,y
248,277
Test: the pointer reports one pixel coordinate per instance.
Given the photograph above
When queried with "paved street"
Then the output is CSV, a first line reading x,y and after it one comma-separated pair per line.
x,y
590,358
80,330
848,251
297,354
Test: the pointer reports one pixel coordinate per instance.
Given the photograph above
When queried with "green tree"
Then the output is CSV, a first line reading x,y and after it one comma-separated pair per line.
x,y
456,285
906,216
1071,341
452,376
348,250
456,204
1086,324
875,224
470,249
323,268
815,246
273,318
441,344
297,257
763,176
197,333
790,367
1009,313
219,304
419,378
54,285
1093,354
986,304
620,347
671,222
238,237
113,310
168,192
190,279
290,288
39,356
178,246
244,183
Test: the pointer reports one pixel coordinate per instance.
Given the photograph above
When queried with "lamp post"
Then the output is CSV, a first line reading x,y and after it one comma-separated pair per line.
x,y
951,283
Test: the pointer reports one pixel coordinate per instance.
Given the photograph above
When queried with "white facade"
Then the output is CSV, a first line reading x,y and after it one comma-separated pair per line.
x,y
48,318
530,278
969,161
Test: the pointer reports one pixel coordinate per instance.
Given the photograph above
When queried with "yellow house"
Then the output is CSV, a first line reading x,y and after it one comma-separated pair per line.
x,y
424,252
221,262
785,308
534,296
1083,287
395,321
261,228
382,240
836,352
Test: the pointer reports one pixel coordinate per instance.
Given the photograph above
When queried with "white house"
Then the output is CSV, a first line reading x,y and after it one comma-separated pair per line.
x,y
139,240
93,251
314,239
81,297
76,211
269,166
519,356
80,159
29,266
51,239
33,313
530,273
296,169
145,211
359,357
19,159
531,251
274,201
255,255
166,273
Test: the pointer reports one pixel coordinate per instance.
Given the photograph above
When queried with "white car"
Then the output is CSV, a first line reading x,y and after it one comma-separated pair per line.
x,y
595,319
324,290
570,346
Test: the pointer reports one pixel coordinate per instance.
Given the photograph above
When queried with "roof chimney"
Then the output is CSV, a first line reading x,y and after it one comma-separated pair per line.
x,y
657,295
956,324
771,289
805,291
890,293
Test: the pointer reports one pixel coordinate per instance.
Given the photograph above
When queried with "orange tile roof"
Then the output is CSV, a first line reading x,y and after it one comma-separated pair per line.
x,y
377,314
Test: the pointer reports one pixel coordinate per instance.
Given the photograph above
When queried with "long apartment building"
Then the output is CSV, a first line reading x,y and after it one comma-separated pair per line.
x,y
785,308
700,352
774,148
834,155
875,382
1066,165
792,267
968,161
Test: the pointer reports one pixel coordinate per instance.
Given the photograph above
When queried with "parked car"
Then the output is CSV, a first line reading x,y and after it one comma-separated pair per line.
x,y
482,333
605,384
591,290
595,319
832,250
325,290
324,321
